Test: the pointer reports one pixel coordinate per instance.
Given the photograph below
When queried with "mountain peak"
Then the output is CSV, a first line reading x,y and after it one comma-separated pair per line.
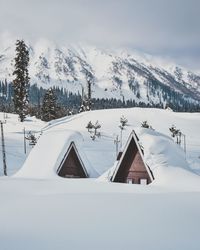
x,y
116,73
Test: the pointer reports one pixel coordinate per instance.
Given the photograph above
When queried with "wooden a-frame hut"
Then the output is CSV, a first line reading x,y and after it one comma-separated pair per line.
x,y
72,165
131,167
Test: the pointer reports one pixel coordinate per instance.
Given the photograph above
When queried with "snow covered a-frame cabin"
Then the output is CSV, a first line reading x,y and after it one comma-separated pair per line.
x,y
58,153
131,167
72,165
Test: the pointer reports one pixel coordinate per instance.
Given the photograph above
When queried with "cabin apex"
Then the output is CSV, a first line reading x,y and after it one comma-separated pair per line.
x,y
131,167
72,165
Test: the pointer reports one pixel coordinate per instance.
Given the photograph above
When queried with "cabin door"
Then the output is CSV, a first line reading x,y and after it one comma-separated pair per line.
x,y
129,181
143,181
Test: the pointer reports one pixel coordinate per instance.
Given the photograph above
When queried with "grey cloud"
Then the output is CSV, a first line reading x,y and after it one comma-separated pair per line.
x,y
168,27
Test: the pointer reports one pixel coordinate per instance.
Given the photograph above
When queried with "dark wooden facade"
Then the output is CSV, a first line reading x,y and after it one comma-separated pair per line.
x,y
131,167
72,165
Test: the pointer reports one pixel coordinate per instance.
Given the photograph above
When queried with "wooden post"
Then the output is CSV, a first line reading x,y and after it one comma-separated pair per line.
x,y
24,141
121,138
3,150
184,141
116,141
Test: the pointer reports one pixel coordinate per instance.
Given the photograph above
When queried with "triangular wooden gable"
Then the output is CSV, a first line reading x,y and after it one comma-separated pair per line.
x,y
72,165
131,167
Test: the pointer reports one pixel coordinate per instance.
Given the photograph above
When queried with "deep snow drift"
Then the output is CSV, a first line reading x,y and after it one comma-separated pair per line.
x,y
42,211
14,140
46,156
69,214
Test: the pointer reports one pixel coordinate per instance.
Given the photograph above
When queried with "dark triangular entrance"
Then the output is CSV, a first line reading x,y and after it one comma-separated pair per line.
x,y
131,167
72,165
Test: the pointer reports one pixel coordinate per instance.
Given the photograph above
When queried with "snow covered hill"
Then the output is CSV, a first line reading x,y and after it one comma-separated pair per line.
x,y
160,120
120,74
42,211
14,140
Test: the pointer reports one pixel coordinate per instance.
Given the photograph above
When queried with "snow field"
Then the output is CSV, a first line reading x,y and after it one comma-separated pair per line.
x,y
43,211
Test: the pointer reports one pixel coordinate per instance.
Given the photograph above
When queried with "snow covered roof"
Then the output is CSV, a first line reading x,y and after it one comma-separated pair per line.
x,y
165,158
161,155
46,157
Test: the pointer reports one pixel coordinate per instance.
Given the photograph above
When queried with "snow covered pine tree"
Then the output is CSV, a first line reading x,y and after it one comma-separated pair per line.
x,y
21,81
49,105
123,124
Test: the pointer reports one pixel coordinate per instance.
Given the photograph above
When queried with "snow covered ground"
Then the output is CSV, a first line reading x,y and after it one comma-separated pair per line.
x,y
14,140
66,214
56,213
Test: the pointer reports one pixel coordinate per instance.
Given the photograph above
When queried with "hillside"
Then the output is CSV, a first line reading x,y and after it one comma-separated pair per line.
x,y
120,74
43,211
14,140
160,120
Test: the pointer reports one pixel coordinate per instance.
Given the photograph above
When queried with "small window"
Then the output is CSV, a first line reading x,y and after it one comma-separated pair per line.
x,y
129,181
71,176
143,181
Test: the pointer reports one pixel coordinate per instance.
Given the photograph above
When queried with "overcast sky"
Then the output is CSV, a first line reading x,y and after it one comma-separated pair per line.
x,y
160,27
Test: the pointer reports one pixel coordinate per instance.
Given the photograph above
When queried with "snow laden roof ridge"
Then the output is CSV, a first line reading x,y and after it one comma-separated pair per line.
x,y
61,121
90,170
45,158
161,154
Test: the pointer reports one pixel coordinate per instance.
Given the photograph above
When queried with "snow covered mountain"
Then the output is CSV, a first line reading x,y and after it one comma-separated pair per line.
x,y
115,73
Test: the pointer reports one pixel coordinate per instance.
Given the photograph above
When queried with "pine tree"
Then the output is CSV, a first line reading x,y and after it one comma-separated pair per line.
x,y
176,133
89,126
145,124
49,106
123,124
88,99
21,81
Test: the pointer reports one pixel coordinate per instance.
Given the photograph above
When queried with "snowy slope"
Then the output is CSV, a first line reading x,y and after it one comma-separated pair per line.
x,y
160,150
55,213
160,120
14,140
45,158
114,73
87,215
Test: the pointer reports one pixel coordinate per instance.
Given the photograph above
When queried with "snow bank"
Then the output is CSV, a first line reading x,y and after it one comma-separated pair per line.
x,y
41,211
167,161
14,140
47,155
79,215
160,150
99,156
